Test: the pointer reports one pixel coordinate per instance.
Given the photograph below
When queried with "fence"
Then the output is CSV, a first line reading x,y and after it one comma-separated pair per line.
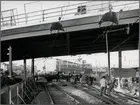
x,y
66,12
20,93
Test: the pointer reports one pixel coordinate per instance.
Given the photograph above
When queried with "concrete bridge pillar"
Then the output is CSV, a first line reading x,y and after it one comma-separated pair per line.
x,y
120,59
120,67
32,68
25,70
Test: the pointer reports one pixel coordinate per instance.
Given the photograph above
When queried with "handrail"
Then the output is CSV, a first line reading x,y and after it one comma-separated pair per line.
x,y
20,18
67,10
56,8
8,10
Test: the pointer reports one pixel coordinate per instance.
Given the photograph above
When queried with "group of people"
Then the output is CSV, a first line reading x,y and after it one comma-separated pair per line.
x,y
75,78
107,86
70,77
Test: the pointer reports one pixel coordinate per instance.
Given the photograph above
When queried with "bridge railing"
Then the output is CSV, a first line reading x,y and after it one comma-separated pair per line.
x,y
66,12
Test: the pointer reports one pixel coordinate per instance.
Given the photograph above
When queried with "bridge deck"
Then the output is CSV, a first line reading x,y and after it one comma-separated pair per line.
x,y
81,36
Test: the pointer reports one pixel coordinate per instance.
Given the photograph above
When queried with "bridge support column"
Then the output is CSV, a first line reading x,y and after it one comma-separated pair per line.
x,y
108,55
10,61
68,43
109,65
25,75
25,70
120,59
120,66
32,68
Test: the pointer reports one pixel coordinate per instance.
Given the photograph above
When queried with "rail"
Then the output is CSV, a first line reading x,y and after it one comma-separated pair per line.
x,y
119,94
67,94
104,99
134,99
66,12
50,98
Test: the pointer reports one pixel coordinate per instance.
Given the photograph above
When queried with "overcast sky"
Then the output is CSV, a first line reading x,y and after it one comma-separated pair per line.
x,y
129,58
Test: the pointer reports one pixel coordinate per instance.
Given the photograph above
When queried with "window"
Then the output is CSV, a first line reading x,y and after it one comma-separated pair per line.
x,y
81,10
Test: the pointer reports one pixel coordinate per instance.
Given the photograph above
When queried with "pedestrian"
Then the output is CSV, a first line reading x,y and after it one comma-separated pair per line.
x,y
69,76
103,85
91,79
135,88
76,79
111,87
58,76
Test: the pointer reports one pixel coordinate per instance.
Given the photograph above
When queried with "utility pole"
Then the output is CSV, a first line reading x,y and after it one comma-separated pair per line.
x,y
108,54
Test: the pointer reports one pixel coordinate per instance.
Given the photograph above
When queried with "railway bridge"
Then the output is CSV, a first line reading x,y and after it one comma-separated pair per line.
x,y
81,36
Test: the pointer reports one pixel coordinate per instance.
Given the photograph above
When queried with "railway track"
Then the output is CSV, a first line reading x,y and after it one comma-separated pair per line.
x,y
94,93
123,97
43,97
58,96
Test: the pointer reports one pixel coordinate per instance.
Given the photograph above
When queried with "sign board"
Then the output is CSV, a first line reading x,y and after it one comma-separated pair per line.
x,y
123,72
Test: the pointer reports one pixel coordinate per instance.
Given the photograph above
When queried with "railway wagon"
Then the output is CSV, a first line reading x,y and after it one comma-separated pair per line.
x,y
63,66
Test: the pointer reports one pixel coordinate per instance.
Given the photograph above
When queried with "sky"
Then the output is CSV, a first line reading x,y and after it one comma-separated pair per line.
x,y
129,58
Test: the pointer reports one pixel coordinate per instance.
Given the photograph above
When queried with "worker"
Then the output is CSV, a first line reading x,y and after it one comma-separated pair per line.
x,y
103,85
